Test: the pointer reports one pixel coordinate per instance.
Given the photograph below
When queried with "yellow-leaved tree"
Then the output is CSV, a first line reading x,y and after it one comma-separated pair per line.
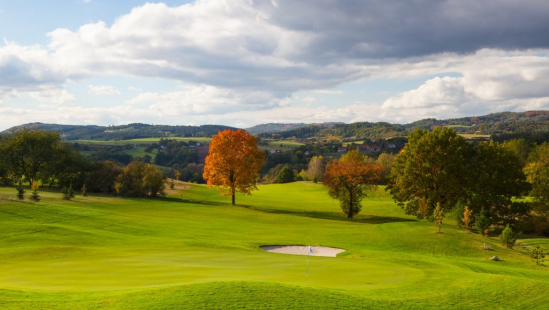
x,y
233,163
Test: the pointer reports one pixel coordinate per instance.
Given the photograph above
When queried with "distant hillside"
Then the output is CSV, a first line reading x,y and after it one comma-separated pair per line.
x,y
124,132
504,125
280,127
496,124
274,127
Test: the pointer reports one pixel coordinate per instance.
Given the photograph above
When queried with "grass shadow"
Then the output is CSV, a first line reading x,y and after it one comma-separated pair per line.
x,y
370,219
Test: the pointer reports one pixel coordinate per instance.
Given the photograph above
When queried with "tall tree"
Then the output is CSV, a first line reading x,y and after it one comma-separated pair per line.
x,y
26,152
538,174
497,178
233,163
316,168
432,168
348,179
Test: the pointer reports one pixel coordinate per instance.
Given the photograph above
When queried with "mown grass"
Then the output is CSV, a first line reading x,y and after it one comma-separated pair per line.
x,y
199,252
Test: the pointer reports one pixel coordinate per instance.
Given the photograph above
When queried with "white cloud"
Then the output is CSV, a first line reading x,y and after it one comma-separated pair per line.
x,y
309,100
132,88
205,99
51,94
103,90
242,56
8,95
329,92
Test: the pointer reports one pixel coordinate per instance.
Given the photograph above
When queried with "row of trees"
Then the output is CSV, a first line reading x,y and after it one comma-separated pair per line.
x,y
40,156
439,169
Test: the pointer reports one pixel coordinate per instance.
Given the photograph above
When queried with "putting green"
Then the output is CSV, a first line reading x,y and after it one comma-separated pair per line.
x,y
123,271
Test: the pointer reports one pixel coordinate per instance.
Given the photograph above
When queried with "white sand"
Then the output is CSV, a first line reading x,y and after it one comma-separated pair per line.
x,y
302,250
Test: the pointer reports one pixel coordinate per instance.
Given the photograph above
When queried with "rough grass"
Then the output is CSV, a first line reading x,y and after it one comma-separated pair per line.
x,y
199,252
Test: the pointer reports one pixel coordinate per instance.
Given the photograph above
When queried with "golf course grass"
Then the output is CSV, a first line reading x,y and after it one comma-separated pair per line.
x,y
193,250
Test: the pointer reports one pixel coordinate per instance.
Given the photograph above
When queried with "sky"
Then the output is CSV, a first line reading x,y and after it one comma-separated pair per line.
x,y
247,62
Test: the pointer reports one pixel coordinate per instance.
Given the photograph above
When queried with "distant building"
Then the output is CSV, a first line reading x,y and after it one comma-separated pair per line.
x,y
390,146
374,148
341,150
362,147
275,151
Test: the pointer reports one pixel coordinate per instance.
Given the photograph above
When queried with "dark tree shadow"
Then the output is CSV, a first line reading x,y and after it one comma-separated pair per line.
x,y
334,216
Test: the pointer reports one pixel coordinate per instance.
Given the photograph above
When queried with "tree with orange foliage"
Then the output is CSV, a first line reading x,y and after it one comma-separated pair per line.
x,y
233,163
467,217
348,179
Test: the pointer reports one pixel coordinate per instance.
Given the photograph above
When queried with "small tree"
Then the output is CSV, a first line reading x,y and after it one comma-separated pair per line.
x,y
286,175
458,212
20,191
439,216
172,184
68,192
467,217
84,190
537,255
508,237
118,188
349,178
482,224
177,175
35,187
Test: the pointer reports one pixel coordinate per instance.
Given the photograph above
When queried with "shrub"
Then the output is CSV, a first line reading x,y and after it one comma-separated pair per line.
x,y
35,187
20,191
537,255
508,237
68,192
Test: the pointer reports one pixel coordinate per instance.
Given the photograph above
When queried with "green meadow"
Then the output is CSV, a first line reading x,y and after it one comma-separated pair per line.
x,y
193,250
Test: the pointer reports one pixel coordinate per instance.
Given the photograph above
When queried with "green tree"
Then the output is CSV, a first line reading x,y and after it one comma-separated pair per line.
x,y
438,214
25,152
431,169
537,255
519,147
497,179
20,190
537,170
349,178
286,175
508,237
140,179
386,162
482,224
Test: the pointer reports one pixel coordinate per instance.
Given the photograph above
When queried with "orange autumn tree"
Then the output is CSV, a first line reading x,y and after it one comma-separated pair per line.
x,y
233,163
349,178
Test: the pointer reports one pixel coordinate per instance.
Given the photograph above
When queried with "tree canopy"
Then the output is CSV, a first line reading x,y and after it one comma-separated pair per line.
x,y
431,169
233,163
348,179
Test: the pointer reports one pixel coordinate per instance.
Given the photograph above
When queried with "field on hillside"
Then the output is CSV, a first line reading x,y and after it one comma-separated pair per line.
x,y
193,250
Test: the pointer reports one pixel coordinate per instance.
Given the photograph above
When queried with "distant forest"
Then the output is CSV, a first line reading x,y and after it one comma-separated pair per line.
x,y
532,125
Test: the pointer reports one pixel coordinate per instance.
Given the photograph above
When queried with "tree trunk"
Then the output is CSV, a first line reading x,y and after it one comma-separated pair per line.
x,y
233,198
350,215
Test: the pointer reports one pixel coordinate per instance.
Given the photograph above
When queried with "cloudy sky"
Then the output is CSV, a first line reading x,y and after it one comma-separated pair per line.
x,y
245,62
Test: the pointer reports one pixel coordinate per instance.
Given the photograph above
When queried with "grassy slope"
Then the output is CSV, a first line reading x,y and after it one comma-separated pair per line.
x,y
200,252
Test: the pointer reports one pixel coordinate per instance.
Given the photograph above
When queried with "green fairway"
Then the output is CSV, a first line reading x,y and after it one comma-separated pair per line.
x,y
200,252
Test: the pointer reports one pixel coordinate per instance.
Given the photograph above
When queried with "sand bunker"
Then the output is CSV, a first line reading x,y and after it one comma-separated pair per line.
x,y
302,250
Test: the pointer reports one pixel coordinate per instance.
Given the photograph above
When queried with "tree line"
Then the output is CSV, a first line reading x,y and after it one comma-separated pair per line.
x,y
35,156
439,172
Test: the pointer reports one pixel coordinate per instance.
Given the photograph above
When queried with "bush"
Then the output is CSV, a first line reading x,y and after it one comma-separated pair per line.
x,y
68,193
35,187
508,237
286,175
20,191
537,255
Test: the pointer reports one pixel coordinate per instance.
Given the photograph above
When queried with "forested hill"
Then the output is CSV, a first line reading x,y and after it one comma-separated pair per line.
x,y
501,126
123,132
279,127
496,124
